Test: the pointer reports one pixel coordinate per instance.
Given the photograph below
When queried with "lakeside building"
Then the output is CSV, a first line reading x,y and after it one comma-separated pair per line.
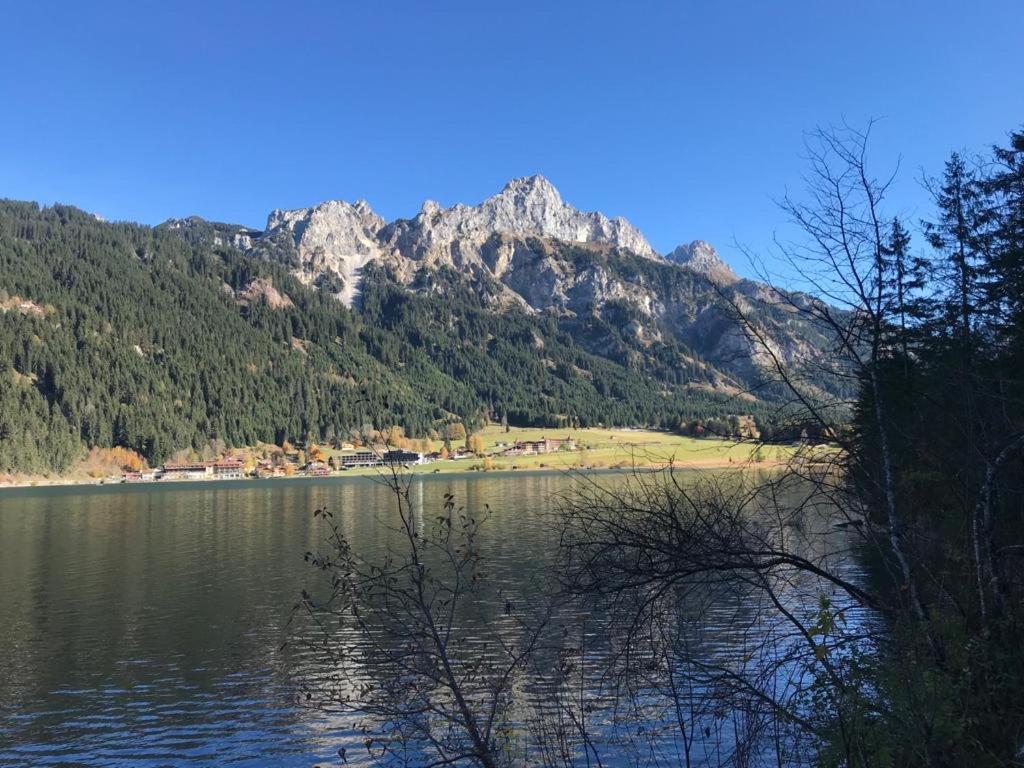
x,y
550,444
544,445
267,468
188,471
404,458
145,476
360,458
232,468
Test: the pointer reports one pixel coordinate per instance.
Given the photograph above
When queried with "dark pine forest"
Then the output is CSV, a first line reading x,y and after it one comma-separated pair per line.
x,y
116,334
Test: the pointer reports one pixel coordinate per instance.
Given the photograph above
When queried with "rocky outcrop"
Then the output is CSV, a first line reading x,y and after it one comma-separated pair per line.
x,y
702,258
263,290
327,245
526,247
527,207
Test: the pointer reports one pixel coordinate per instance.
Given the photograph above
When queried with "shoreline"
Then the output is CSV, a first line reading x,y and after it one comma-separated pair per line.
x,y
46,484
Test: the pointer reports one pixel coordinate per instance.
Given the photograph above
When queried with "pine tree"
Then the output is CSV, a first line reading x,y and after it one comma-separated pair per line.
x,y
960,235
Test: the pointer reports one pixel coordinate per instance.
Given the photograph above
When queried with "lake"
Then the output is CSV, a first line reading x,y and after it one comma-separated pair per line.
x,y
146,625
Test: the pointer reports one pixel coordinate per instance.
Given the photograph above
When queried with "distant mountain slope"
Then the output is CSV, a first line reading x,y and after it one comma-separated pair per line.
x,y
151,343
526,248
702,258
163,338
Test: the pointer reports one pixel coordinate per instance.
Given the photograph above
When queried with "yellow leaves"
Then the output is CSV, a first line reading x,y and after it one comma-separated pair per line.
x,y
111,461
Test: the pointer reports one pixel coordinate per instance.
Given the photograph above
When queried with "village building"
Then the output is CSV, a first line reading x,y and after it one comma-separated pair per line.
x,y
544,445
360,458
404,458
267,468
144,476
188,471
231,468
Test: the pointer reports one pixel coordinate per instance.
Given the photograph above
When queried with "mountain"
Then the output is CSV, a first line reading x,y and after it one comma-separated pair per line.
x,y
522,307
526,248
702,258
329,244
326,246
525,208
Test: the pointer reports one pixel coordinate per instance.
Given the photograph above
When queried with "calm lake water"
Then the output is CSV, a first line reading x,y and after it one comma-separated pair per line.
x,y
143,626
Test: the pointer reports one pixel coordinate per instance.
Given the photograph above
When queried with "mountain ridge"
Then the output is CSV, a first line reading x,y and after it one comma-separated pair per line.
x,y
333,240
172,337
526,248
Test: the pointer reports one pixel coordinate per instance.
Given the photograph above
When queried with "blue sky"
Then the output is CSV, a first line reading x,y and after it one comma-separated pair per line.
x,y
685,117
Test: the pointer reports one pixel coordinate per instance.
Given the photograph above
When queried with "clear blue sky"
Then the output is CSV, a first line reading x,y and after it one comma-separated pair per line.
x,y
686,117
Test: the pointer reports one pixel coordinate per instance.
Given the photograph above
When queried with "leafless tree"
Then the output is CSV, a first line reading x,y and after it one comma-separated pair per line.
x,y
719,621
647,549
419,646
759,566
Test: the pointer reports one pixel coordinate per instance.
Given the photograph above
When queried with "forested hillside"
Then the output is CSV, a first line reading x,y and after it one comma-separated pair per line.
x,y
116,334
126,335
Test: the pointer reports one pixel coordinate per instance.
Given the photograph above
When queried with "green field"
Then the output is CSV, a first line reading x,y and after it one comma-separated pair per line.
x,y
606,449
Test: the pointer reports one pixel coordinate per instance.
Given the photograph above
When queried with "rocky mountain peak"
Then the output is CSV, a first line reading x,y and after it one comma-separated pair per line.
x,y
702,258
530,206
331,242
328,214
520,248
531,189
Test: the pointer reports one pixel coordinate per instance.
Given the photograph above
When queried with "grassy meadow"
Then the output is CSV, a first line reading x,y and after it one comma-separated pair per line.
x,y
605,449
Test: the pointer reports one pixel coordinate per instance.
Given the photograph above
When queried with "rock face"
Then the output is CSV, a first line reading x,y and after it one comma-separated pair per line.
x,y
327,245
263,290
702,258
525,247
527,207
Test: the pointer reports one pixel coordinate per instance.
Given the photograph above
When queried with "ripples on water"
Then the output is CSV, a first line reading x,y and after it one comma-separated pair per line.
x,y
144,626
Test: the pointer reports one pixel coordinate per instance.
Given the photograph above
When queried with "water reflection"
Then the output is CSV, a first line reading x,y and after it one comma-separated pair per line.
x,y
147,627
